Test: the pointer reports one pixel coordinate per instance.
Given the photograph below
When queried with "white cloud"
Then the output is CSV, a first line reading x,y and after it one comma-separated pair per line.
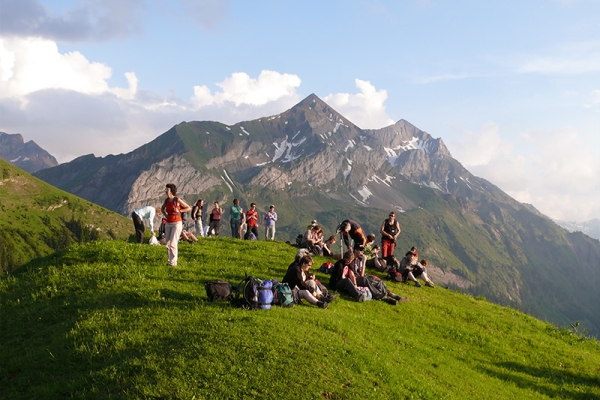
x,y
28,65
481,148
240,89
365,109
594,99
64,103
553,169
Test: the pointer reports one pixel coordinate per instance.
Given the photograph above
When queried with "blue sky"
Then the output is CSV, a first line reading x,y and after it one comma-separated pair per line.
x,y
513,88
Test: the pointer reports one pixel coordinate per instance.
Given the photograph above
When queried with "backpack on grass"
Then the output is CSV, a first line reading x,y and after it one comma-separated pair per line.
x,y
219,291
253,293
283,295
376,286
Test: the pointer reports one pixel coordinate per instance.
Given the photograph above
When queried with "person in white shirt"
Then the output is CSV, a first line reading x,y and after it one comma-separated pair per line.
x,y
139,215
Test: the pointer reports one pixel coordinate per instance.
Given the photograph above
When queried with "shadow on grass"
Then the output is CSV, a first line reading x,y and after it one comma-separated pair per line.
x,y
546,380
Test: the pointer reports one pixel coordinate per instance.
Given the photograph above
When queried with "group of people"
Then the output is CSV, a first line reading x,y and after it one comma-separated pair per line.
x,y
348,273
243,224
174,215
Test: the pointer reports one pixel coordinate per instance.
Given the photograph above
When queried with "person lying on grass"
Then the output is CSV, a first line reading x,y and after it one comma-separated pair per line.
x,y
304,285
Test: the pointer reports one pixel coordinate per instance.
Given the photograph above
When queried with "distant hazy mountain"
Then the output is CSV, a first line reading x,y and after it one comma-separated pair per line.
x,y
590,228
311,162
27,156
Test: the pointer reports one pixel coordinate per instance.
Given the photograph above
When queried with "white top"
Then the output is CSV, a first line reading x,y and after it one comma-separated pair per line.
x,y
148,213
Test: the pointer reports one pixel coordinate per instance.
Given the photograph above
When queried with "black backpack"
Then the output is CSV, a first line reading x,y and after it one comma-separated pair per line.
x,y
219,291
377,287
247,293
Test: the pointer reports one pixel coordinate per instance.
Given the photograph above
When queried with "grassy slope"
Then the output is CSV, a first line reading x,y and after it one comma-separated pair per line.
x,y
109,319
37,218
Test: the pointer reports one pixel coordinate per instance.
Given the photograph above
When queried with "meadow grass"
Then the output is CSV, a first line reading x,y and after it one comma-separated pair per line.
x,y
112,320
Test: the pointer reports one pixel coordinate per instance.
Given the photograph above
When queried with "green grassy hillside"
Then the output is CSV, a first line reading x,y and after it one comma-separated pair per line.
x,y
111,320
36,219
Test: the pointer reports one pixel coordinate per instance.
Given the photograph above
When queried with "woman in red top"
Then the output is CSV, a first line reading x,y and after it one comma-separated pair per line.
x,y
252,221
172,209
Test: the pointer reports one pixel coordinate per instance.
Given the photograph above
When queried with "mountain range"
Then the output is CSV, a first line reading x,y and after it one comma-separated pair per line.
x,y
312,162
590,228
28,156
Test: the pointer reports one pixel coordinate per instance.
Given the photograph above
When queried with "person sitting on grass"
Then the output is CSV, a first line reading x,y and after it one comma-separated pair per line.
x,y
343,278
419,271
302,283
406,267
188,236
328,247
375,262
369,245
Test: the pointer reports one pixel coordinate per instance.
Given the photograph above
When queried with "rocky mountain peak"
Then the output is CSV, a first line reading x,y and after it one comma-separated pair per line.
x,y
27,156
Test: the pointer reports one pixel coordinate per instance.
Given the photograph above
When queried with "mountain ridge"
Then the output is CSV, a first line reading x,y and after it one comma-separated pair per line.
x,y
27,156
313,163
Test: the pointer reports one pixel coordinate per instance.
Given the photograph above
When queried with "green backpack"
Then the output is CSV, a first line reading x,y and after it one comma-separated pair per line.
x,y
285,298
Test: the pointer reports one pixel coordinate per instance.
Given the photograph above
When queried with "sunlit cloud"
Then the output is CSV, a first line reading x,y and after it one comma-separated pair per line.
x,y
240,89
553,169
365,109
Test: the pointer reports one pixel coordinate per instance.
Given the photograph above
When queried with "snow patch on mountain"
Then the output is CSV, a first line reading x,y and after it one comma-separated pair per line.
x,y
413,144
365,193
349,145
283,150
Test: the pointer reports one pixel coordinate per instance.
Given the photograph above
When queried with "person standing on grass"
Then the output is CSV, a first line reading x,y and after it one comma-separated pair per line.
x,y
172,208
270,219
139,215
235,218
215,220
252,221
197,217
390,229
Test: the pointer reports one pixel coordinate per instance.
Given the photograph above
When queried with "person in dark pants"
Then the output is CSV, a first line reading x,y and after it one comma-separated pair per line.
x,y
139,215
351,230
342,277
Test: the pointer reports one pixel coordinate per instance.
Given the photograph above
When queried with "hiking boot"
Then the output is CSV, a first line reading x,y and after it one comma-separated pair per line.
x,y
418,284
361,298
322,304
329,297
394,296
430,284
391,301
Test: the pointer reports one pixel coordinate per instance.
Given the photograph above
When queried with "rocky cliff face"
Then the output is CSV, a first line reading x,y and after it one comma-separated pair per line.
x,y
28,156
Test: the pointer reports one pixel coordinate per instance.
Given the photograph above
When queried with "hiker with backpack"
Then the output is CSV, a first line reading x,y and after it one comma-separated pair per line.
x,y
303,284
172,209
352,230
390,229
196,216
